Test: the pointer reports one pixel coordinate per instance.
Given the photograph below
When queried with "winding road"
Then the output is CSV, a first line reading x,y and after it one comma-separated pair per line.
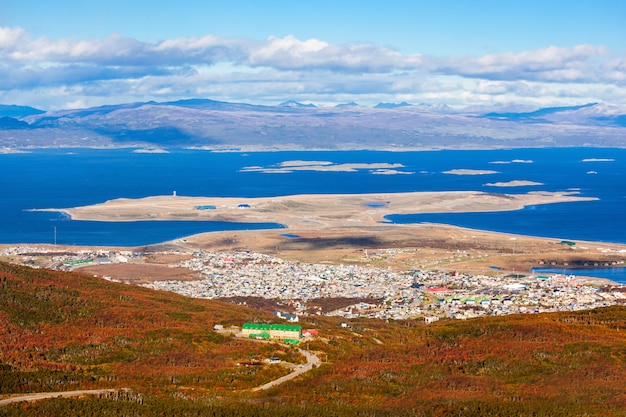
x,y
311,361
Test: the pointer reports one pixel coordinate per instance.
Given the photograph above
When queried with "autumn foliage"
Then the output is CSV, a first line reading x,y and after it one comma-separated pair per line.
x,y
62,331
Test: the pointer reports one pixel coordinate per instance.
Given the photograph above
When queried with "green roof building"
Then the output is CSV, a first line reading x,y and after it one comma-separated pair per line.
x,y
272,331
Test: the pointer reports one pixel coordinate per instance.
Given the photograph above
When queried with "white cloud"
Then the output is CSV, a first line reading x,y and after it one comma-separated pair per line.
x,y
287,53
118,68
491,87
552,64
77,104
290,53
10,37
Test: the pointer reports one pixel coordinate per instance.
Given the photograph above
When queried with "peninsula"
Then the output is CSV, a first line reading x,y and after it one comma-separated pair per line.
x,y
311,212
339,228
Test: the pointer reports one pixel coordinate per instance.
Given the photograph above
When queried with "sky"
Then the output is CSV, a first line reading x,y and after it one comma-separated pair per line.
x,y
59,54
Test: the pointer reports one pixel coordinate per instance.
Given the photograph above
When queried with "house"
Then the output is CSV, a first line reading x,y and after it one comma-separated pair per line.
x,y
515,287
271,331
439,290
310,333
292,318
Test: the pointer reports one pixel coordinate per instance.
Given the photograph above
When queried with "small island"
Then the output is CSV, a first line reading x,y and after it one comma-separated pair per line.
x,y
470,172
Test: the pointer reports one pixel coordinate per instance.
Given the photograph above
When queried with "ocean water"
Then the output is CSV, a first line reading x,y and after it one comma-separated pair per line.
x,y
62,178
617,274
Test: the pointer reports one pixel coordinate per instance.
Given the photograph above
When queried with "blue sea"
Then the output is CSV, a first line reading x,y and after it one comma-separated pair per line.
x,y
62,178
617,274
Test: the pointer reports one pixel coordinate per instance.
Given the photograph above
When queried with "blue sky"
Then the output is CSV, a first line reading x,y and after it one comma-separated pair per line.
x,y
64,54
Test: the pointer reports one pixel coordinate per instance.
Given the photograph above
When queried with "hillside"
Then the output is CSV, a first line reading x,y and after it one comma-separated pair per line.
x,y
68,331
63,331
291,125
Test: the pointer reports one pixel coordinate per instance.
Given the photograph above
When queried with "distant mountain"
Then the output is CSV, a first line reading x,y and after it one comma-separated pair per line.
x,y
206,104
538,113
422,107
595,114
195,103
391,105
292,103
95,111
346,105
293,125
498,108
437,108
18,111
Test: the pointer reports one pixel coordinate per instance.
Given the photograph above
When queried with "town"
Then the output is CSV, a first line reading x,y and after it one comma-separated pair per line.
x,y
380,293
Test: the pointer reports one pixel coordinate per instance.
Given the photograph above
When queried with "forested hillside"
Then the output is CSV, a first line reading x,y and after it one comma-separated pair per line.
x,y
62,331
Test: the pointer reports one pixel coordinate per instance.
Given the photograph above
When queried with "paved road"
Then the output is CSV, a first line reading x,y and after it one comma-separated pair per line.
x,y
311,361
44,395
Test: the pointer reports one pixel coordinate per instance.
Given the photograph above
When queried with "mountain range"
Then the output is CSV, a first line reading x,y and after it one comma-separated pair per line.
x,y
220,125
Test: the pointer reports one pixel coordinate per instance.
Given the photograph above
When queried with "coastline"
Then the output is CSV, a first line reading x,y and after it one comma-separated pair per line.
x,y
332,227
433,246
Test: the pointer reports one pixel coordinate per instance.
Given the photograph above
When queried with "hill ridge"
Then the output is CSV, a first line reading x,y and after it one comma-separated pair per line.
x,y
240,126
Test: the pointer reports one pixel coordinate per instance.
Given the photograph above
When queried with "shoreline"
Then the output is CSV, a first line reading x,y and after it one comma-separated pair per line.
x,y
339,227
430,245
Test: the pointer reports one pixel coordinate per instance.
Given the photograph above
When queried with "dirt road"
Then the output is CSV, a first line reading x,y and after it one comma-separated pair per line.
x,y
45,395
312,361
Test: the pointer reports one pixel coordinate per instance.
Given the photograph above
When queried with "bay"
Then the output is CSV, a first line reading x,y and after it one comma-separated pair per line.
x,y
62,178
617,274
